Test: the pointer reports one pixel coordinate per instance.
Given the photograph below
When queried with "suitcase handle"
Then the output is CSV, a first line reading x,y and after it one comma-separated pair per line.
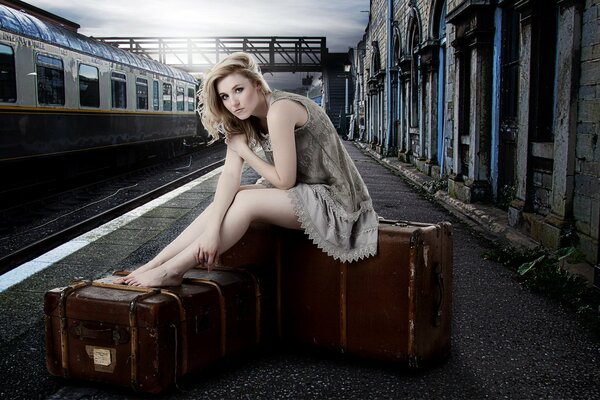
x,y
439,302
114,335
394,222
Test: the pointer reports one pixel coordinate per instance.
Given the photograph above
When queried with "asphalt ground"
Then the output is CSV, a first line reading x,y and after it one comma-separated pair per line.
x,y
506,341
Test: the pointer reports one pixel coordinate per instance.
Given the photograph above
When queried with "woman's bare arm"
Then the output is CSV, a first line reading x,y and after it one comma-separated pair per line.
x,y
282,119
227,187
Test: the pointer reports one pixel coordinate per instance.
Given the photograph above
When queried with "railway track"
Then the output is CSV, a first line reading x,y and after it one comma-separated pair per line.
x,y
38,226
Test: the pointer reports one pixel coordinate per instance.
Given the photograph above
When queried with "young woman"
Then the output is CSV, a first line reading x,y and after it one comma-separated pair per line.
x,y
309,180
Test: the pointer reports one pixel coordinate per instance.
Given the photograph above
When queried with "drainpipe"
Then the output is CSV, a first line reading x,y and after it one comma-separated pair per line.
x,y
388,75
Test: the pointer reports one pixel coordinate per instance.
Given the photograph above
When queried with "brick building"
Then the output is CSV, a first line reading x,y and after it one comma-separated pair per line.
x,y
501,98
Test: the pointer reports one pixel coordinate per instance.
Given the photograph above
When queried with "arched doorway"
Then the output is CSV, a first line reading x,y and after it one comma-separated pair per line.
x,y
414,87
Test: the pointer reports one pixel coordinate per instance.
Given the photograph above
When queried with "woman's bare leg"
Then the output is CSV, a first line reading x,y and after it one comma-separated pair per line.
x,y
184,239
177,245
266,205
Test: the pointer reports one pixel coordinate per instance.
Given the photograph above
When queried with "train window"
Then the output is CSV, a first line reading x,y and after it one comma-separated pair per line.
x,y
180,98
191,99
50,80
141,93
8,82
89,86
167,97
119,90
155,96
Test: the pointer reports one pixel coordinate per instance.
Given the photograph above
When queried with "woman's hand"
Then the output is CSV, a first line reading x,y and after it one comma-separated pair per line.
x,y
237,143
208,249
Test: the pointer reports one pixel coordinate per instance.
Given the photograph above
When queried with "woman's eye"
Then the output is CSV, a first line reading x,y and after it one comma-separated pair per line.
x,y
239,90
224,97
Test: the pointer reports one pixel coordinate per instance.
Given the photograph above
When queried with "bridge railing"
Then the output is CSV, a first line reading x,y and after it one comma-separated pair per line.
x,y
275,53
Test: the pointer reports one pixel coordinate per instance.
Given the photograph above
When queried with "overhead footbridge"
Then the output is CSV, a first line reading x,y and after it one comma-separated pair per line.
x,y
274,53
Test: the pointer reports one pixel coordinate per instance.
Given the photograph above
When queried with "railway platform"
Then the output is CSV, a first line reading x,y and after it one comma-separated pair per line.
x,y
506,341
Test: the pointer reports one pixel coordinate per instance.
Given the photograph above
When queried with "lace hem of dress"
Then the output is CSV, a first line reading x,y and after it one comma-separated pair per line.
x,y
315,236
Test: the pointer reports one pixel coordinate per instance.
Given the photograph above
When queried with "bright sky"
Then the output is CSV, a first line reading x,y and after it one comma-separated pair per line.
x,y
342,22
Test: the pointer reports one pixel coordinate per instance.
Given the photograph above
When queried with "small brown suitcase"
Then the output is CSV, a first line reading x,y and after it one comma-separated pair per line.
x,y
395,306
149,338
260,250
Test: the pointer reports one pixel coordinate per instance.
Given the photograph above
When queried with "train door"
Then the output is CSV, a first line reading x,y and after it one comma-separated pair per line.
x,y
8,81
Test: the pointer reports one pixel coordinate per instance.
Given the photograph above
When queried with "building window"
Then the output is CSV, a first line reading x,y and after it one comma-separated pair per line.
x,y
464,121
464,126
414,78
119,90
89,86
509,96
155,96
191,100
50,80
180,98
8,82
141,93
546,70
167,97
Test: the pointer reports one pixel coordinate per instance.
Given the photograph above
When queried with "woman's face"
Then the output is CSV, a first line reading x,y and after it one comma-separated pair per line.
x,y
239,95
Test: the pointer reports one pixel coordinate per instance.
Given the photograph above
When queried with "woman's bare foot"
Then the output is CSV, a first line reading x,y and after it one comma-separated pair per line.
x,y
155,277
146,267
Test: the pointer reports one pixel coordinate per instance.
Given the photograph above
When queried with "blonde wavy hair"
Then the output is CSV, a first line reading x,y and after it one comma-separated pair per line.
x,y
217,120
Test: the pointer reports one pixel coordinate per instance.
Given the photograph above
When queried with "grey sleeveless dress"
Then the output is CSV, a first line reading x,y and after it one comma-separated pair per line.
x,y
330,198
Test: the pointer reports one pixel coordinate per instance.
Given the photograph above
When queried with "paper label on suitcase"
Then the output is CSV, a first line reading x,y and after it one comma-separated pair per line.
x,y
103,358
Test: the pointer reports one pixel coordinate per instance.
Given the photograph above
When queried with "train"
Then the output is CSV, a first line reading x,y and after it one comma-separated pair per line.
x,y
65,96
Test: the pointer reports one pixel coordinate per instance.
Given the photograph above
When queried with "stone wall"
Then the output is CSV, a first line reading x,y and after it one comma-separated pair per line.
x,y
550,196
587,170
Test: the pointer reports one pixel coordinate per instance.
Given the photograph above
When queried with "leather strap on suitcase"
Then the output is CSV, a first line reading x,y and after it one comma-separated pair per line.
x,y
100,354
257,290
62,315
222,302
222,308
215,284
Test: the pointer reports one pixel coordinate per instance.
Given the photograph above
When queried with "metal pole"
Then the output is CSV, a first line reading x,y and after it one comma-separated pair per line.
x,y
346,96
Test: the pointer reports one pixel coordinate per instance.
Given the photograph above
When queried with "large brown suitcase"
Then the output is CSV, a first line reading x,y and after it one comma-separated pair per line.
x,y
395,306
258,247
149,338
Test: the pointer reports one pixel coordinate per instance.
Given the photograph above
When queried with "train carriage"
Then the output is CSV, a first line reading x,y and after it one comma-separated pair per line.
x,y
62,93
